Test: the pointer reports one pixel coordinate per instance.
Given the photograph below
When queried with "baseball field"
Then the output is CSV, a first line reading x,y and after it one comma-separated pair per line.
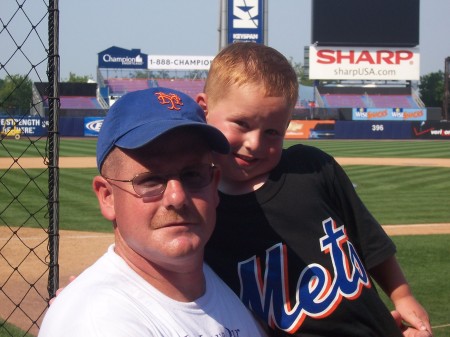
x,y
405,184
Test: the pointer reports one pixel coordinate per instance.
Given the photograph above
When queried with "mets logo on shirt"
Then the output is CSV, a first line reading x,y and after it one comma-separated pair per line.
x,y
319,291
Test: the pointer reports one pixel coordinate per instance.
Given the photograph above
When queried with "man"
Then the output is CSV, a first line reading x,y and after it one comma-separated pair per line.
x,y
158,186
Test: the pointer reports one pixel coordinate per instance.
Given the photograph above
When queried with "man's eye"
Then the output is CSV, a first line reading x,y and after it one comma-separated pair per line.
x,y
149,181
192,174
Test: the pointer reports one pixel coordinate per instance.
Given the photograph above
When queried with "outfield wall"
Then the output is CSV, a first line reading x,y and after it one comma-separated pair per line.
x,y
298,129
328,129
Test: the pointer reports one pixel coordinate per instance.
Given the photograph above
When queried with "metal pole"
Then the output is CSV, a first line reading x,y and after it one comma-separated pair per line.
x,y
53,146
223,24
446,88
266,22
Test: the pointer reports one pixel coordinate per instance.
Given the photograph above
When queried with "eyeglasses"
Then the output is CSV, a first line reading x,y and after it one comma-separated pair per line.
x,y
192,178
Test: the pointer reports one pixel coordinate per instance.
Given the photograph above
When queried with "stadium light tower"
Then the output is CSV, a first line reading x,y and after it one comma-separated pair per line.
x,y
223,26
446,88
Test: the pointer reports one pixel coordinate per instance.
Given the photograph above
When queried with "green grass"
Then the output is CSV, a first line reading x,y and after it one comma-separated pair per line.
x,y
24,202
403,194
381,148
80,147
69,147
8,330
79,205
395,195
425,262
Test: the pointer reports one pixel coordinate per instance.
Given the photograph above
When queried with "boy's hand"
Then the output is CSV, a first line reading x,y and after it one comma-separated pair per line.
x,y
71,278
414,327
410,316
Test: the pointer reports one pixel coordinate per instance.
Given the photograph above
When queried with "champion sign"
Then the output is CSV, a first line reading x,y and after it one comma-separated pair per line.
x,y
364,63
124,61
118,58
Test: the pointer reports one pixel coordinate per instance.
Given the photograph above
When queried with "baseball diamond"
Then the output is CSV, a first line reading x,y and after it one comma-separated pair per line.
x,y
78,249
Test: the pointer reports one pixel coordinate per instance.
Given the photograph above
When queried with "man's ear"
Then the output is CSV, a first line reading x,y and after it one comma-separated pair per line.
x,y
105,196
202,100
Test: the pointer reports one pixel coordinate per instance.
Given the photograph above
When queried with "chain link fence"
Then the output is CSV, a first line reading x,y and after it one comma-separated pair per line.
x,y
28,196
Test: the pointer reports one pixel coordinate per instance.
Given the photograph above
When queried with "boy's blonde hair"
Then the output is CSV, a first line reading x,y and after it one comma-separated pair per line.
x,y
245,63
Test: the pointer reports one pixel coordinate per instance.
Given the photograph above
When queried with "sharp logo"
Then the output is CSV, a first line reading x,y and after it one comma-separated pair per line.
x,y
245,13
94,125
380,57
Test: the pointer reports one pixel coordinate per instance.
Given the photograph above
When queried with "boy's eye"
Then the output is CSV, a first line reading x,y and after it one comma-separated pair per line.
x,y
242,124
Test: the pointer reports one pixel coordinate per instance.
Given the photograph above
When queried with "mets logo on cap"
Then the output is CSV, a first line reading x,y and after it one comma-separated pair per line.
x,y
171,99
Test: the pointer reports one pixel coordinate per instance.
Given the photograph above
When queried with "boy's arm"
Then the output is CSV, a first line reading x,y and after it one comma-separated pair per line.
x,y
391,279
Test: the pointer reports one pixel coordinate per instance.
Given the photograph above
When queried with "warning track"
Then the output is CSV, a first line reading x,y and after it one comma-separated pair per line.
x,y
90,162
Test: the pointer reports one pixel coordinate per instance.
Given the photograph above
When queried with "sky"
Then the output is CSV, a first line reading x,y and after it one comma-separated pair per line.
x,y
190,27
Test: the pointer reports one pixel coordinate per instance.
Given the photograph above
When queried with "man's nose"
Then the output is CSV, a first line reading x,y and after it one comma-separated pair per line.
x,y
175,194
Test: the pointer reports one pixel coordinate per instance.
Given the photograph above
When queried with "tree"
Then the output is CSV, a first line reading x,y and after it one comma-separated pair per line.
x,y
163,74
15,94
142,74
300,71
77,79
431,89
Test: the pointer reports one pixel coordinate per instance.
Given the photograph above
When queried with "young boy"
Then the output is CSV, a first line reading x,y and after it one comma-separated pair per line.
x,y
292,237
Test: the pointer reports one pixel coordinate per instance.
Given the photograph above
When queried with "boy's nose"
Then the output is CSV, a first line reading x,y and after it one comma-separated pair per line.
x,y
253,140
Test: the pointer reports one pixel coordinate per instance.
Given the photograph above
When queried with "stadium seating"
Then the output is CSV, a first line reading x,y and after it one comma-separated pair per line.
x,y
120,86
343,101
365,97
79,102
189,87
76,102
393,101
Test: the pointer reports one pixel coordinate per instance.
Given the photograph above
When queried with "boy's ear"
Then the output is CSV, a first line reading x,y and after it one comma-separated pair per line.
x,y
202,100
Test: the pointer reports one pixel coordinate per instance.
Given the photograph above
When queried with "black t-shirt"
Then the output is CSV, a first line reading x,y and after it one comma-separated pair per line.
x,y
298,249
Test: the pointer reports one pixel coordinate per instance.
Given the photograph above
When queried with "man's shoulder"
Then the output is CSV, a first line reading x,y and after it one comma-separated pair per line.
x,y
95,285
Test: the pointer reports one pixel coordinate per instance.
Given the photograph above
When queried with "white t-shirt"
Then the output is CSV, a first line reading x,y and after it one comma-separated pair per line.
x,y
110,299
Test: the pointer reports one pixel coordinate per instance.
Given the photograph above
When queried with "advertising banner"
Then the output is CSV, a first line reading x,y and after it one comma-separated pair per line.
x,y
372,130
360,63
310,129
431,130
170,62
28,126
92,126
389,114
245,21
118,58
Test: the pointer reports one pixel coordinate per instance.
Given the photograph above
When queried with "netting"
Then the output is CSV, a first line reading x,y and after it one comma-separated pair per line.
x,y
28,196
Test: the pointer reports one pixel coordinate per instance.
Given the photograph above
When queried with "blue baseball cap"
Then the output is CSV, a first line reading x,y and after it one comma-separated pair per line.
x,y
139,117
